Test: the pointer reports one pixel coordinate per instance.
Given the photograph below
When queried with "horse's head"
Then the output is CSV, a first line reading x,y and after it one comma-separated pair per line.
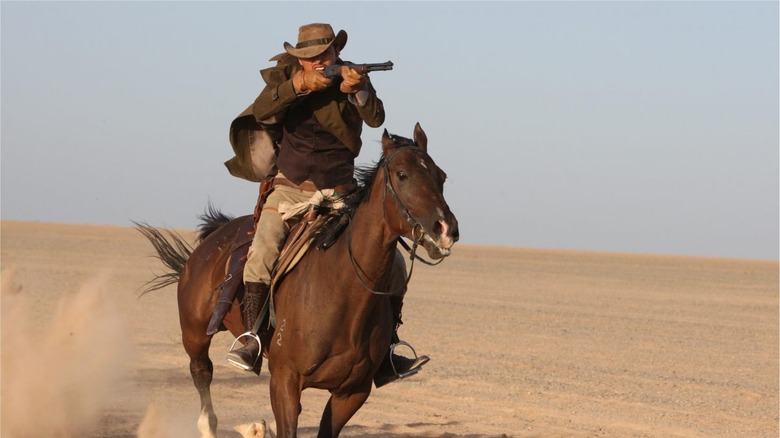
x,y
415,187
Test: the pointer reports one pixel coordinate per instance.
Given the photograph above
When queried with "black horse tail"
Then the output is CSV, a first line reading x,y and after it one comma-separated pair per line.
x,y
171,249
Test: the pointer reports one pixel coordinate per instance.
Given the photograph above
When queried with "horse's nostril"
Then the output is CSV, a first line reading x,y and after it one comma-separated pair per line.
x,y
439,227
455,234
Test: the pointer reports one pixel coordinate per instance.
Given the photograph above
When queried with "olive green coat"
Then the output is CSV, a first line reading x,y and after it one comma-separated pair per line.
x,y
256,132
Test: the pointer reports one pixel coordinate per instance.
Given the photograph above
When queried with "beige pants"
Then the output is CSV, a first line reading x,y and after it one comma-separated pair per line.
x,y
271,233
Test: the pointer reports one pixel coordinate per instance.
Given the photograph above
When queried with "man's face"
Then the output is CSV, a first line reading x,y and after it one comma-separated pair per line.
x,y
320,61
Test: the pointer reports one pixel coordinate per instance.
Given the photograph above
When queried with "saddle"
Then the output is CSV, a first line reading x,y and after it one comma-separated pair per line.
x,y
297,244
232,287
234,277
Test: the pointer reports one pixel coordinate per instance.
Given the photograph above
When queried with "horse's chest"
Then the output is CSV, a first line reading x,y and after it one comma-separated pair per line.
x,y
328,350
323,363
341,372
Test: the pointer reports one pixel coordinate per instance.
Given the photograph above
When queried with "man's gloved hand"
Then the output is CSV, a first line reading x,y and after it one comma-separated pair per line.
x,y
307,81
353,81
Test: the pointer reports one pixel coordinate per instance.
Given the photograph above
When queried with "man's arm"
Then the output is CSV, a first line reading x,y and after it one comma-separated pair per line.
x,y
285,87
362,94
370,107
278,94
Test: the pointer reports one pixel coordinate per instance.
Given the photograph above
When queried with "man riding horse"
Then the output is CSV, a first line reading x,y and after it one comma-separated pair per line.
x,y
301,137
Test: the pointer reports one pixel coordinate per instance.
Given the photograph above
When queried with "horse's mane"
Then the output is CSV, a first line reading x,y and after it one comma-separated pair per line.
x,y
338,219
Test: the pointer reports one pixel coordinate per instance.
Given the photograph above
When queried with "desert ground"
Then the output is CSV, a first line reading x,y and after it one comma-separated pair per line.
x,y
524,343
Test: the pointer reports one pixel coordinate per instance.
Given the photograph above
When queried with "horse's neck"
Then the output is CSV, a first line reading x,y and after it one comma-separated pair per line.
x,y
372,243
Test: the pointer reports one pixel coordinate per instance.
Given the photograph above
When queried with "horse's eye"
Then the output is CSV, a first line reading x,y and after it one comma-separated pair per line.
x,y
401,175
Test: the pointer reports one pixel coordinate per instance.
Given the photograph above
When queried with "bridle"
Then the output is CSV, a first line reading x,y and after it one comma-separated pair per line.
x,y
415,224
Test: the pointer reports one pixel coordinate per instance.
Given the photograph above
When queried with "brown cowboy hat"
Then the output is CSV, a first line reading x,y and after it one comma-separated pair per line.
x,y
314,39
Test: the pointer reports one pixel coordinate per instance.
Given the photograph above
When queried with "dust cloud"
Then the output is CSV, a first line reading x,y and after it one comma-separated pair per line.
x,y
59,370
152,426
159,422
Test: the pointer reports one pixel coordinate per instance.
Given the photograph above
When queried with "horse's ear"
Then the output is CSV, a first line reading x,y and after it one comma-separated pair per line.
x,y
387,142
420,139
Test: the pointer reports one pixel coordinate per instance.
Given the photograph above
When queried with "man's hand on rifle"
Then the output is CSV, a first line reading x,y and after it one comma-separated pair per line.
x,y
353,81
306,81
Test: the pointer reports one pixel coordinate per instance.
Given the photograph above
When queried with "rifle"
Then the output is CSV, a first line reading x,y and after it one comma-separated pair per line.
x,y
334,70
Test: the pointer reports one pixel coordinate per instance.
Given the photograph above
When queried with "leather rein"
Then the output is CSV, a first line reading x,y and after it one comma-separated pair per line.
x,y
416,225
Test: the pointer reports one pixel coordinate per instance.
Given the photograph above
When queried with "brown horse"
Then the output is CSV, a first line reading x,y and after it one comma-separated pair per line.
x,y
331,331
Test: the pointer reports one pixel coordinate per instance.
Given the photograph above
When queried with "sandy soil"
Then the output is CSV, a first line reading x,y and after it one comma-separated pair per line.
x,y
524,343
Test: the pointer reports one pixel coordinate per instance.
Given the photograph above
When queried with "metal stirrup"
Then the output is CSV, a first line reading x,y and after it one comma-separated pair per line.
x,y
392,350
259,351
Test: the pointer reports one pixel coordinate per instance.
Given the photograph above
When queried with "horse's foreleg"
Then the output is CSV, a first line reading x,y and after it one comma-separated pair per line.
x,y
202,370
285,402
339,410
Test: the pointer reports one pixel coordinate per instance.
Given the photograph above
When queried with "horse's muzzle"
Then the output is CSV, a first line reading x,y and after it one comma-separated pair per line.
x,y
444,236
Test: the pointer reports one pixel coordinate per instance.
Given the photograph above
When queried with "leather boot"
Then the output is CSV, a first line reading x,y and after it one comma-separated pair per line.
x,y
395,366
246,356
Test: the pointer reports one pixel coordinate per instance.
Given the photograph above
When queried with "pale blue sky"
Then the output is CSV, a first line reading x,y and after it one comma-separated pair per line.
x,y
647,127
